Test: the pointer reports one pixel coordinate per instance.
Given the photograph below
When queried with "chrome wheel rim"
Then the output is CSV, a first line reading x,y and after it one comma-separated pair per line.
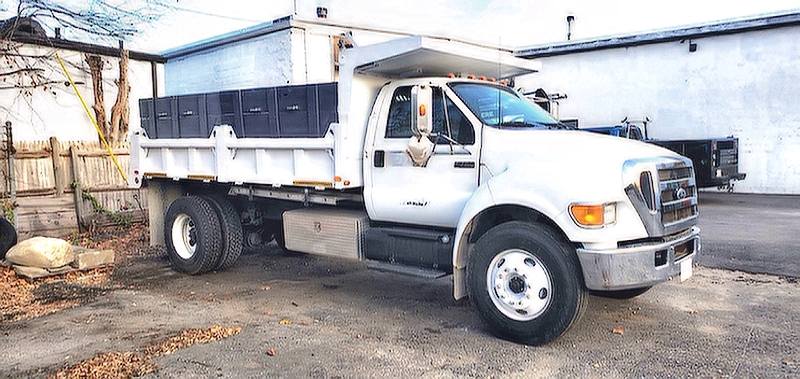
x,y
184,236
519,284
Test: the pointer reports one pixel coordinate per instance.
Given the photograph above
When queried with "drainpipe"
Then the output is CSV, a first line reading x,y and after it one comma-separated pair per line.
x,y
154,78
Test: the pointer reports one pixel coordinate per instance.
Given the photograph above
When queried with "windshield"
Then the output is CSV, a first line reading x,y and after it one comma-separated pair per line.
x,y
502,107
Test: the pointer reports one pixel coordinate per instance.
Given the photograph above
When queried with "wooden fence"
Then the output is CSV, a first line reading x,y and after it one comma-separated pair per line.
x,y
64,187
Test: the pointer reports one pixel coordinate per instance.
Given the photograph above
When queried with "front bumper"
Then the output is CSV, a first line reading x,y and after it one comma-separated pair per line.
x,y
641,265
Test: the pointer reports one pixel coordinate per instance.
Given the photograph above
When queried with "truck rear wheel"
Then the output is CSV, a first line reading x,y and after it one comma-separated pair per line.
x,y
231,229
193,235
526,282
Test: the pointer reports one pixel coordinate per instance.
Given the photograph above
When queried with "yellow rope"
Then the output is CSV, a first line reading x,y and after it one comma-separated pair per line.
x,y
91,117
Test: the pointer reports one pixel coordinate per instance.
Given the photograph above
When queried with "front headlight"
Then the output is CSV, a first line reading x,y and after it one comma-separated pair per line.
x,y
593,215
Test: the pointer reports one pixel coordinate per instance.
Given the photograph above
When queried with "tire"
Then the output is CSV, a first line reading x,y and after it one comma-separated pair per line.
x,y
8,237
526,283
193,235
231,231
622,294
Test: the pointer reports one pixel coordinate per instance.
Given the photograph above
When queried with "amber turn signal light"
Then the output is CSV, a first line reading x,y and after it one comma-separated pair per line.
x,y
593,215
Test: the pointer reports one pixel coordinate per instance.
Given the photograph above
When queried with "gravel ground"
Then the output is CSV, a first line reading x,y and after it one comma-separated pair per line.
x,y
297,315
308,316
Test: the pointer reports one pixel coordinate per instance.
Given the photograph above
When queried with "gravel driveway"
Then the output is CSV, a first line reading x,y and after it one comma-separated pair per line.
x,y
309,316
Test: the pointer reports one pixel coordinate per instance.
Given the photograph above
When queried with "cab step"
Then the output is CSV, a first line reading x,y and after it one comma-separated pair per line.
x,y
420,272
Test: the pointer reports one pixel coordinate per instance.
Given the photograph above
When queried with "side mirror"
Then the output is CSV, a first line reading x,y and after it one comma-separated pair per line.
x,y
422,108
420,148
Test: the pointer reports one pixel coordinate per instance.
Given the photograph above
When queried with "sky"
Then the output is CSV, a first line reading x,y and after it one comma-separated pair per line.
x,y
508,23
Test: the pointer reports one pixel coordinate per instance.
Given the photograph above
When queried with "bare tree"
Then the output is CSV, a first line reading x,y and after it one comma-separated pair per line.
x,y
101,21
110,20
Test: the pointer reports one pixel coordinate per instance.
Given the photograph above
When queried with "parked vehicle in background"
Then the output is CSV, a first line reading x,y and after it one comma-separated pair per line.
x,y
423,172
716,160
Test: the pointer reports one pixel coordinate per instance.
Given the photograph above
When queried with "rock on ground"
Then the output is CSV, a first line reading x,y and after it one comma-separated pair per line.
x,y
41,252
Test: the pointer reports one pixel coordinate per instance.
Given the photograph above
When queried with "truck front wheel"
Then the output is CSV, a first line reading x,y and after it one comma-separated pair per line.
x,y
193,235
526,282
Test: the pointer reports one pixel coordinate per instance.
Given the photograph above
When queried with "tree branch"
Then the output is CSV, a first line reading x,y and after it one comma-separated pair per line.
x,y
30,69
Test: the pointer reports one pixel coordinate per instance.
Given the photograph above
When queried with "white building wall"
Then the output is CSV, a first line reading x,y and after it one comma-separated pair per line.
x,y
317,57
300,54
746,85
38,114
258,62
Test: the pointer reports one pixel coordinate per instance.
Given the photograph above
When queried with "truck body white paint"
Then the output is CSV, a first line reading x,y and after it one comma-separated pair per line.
x,y
427,172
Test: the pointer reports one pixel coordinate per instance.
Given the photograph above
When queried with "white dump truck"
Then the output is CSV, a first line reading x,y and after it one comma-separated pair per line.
x,y
410,164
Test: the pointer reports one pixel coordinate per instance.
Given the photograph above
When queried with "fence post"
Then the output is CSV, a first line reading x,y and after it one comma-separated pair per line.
x,y
78,191
12,182
55,149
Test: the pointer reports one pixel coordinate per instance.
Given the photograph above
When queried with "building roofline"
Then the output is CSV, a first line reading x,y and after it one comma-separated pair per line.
x,y
275,26
258,30
87,48
732,26
28,30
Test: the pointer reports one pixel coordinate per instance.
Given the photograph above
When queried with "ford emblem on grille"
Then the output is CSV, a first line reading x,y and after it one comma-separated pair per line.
x,y
680,193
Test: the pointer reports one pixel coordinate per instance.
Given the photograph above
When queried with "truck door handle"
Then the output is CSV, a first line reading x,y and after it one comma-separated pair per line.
x,y
378,159
464,164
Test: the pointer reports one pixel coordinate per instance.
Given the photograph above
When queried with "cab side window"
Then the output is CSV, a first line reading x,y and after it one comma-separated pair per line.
x,y
399,125
448,120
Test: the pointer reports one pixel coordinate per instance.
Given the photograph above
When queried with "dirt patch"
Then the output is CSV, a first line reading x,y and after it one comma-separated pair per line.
x,y
22,299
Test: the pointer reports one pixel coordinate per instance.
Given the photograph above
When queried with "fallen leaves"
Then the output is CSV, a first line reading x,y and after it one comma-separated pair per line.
x,y
17,298
109,365
17,295
191,337
114,364
619,331
285,321
271,352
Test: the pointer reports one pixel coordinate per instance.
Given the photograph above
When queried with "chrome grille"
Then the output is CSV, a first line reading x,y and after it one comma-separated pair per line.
x,y
663,191
678,194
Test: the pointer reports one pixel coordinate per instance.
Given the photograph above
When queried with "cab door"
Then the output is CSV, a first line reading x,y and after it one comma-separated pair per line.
x,y
399,191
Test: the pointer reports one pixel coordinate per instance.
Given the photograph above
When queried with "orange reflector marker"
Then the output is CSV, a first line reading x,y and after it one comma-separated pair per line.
x,y
337,179
422,110
347,182
471,76
482,77
588,215
451,75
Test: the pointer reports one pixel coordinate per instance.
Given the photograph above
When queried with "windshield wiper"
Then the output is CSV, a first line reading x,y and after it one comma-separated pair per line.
x,y
522,124
534,124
